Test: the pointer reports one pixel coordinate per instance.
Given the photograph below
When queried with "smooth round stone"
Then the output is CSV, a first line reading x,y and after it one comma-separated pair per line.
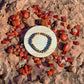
x,y
40,41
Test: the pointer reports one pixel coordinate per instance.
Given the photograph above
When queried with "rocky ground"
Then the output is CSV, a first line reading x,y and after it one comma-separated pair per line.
x,y
9,63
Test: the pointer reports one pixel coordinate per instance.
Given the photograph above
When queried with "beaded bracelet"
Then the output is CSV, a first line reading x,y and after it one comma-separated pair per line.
x,y
46,47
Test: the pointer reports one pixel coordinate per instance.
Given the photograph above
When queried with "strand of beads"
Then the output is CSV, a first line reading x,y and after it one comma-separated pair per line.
x,y
47,45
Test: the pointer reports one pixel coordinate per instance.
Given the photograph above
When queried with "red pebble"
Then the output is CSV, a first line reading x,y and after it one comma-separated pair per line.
x,y
66,47
21,54
74,31
25,57
53,71
58,39
63,37
7,39
77,26
63,24
63,18
17,46
61,31
16,33
35,7
10,34
49,73
10,51
38,61
69,60
3,42
75,42
21,70
64,52
15,17
51,65
55,16
25,14
26,69
16,23
22,25
69,26
61,64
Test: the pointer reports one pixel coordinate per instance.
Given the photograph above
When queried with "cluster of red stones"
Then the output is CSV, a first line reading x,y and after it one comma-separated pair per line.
x,y
18,23
27,69
61,60
18,50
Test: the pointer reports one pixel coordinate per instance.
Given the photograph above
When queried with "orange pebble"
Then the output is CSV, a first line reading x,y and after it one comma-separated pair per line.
x,y
77,26
10,34
10,51
61,65
66,47
31,70
63,37
3,42
16,23
63,18
53,71
17,46
35,59
38,61
23,72
16,33
21,54
15,17
49,73
26,69
63,24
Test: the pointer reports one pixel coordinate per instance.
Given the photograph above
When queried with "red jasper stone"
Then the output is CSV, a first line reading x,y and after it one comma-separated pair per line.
x,y
69,26
58,39
61,31
10,51
63,24
64,52
21,54
4,42
66,47
21,70
74,31
25,57
61,64
63,18
53,71
69,60
35,7
16,23
75,42
10,34
51,65
26,69
63,37
55,16
15,17
77,26
7,39
59,58
16,33
25,14
49,73
38,61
